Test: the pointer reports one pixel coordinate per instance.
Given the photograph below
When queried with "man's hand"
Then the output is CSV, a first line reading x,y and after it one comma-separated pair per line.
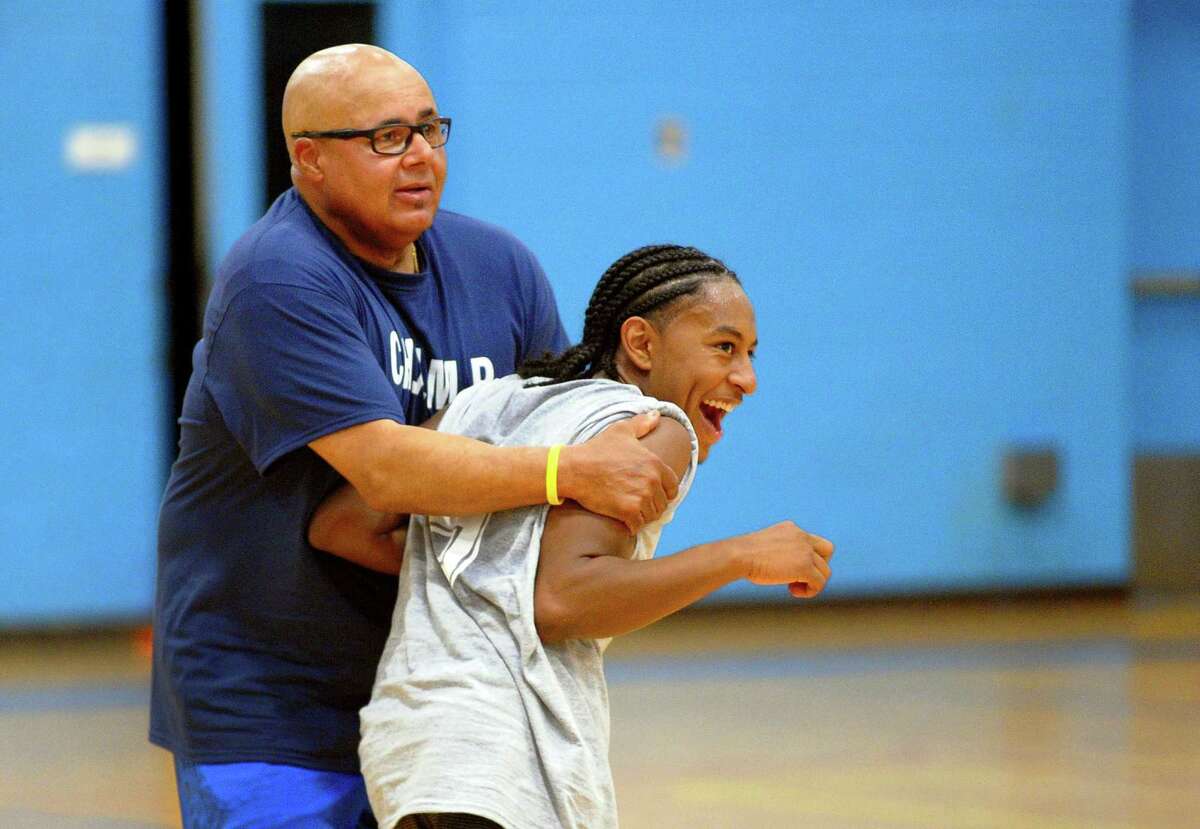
x,y
613,474
786,554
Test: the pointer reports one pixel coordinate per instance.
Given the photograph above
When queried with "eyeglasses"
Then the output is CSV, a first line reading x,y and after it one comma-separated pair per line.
x,y
391,139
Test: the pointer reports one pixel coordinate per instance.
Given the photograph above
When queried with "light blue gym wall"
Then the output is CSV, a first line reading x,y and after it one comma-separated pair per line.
x,y
233,182
1164,222
84,427
929,202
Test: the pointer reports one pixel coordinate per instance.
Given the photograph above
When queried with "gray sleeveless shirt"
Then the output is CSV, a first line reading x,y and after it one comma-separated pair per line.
x,y
470,711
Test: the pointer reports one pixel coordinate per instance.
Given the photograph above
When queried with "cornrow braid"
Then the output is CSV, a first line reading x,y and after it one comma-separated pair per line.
x,y
646,281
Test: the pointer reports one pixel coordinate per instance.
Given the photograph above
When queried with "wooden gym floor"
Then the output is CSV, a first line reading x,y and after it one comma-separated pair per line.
x,y
1070,712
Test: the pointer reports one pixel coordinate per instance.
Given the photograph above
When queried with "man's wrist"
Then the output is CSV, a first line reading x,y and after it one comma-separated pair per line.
x,y
566,458
552,494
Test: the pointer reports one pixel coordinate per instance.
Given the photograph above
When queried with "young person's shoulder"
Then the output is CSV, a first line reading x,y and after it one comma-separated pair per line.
x,y
672,442
528,395
573,411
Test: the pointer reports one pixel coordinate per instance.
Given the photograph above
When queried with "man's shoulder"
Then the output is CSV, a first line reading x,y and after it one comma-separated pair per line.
x,y
467,237
459,224
285,246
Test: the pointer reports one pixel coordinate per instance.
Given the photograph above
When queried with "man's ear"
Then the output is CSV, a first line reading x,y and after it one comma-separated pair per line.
x,y
639,339
306,158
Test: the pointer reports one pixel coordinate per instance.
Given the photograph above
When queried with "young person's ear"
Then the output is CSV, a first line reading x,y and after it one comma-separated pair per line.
x,y
638,340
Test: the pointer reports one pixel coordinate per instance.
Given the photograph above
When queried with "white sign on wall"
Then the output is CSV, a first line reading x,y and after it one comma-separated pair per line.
x,y
100,148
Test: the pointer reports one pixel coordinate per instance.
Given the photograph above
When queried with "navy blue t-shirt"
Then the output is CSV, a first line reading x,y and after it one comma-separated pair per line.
x,y
265,648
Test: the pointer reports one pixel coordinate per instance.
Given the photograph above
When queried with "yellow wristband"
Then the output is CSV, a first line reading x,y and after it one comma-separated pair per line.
x,y
552,475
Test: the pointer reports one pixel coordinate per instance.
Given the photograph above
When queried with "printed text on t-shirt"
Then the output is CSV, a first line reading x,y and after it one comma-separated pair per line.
x,y
438,382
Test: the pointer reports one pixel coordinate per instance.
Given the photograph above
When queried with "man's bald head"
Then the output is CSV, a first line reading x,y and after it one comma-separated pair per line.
x,y
328,89
378,204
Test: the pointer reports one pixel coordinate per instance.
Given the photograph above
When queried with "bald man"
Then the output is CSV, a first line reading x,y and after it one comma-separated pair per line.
x,y
344,318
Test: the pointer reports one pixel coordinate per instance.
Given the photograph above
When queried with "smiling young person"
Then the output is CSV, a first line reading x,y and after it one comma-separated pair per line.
x,y
489,706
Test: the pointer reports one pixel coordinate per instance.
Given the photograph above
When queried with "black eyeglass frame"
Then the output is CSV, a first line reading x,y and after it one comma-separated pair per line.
x,y
433,125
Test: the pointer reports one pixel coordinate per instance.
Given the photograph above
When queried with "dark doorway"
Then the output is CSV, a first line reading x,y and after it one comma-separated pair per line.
x,y
185,279
291,32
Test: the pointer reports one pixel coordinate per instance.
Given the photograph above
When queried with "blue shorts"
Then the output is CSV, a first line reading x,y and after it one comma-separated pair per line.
x,y
267,795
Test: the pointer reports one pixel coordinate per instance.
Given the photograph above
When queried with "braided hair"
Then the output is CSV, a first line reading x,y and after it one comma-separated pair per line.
x,y
646,282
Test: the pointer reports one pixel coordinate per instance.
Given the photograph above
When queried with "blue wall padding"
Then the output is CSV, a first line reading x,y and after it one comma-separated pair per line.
x,y
934,205
1164,222
1166,375
926,202
85,423
1164,210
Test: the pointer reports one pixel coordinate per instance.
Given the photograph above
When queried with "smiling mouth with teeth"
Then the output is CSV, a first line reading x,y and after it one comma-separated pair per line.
x,y
714,411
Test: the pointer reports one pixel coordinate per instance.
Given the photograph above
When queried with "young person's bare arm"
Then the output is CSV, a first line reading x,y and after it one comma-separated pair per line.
x,y
406,469
587,586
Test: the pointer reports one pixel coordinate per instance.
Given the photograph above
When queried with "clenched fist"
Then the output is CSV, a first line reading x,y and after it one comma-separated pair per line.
x,y
785,554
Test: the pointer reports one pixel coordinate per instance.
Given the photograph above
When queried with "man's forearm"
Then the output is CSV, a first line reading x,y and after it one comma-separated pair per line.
x,y
606,595
382,553
407,469
345,526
